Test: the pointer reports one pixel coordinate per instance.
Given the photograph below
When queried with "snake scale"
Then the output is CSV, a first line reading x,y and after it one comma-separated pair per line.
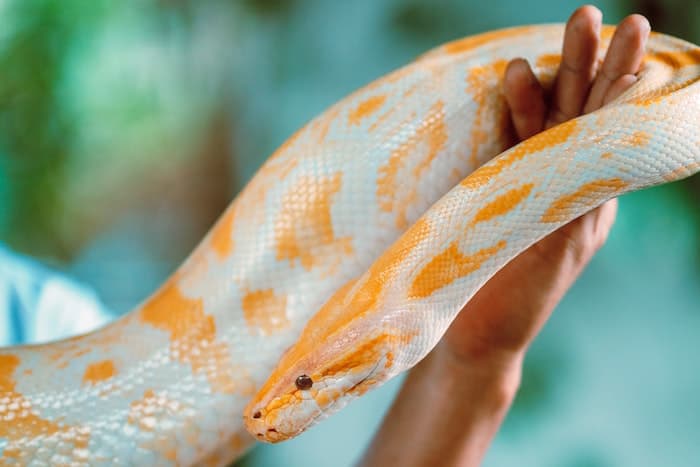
x,y
375,223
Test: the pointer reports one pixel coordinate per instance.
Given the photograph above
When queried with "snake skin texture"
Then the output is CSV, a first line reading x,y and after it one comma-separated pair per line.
x,y
368,224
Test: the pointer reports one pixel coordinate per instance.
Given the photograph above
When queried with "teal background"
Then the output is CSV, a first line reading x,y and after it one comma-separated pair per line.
x,y
127,127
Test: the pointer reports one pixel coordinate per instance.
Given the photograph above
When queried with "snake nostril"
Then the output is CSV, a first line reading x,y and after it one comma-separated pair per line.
x,y
271,430
257,414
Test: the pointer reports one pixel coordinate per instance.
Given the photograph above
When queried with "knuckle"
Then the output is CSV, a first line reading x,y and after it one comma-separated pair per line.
x,y
575,243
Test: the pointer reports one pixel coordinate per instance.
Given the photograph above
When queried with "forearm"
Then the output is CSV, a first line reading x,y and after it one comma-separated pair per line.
x,y
453,403
447,413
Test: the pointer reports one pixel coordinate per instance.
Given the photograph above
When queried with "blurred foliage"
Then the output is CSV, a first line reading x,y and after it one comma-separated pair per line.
x,y
438,21
35,130
93,97
277,8
676,17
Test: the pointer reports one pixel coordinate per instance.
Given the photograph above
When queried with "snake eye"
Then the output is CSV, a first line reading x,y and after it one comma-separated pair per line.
x,y
304,382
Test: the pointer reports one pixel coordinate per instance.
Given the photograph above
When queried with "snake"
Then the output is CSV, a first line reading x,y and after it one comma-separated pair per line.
x,y
345,258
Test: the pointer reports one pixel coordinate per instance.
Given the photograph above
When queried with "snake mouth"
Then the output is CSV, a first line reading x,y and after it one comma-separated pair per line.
x,y
271,435
339,402
278,431
262,431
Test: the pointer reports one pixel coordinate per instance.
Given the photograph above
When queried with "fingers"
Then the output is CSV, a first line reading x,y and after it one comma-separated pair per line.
x,y
619,86
622,61
525,98
603,224
584,237
579,87
578,65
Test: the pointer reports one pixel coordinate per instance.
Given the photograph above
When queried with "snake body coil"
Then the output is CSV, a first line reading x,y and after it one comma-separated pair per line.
x,y
364,220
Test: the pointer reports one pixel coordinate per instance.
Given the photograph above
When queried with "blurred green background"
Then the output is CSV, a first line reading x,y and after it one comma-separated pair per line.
x,y
127,127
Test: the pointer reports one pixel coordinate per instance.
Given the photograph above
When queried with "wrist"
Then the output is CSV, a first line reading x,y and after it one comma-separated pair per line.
x,y
465,402
492,378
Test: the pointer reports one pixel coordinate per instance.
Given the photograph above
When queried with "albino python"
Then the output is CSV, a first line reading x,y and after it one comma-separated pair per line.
x,y
364,220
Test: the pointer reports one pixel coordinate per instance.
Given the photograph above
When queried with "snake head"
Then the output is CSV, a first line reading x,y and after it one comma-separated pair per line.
x,y
303,391
341,354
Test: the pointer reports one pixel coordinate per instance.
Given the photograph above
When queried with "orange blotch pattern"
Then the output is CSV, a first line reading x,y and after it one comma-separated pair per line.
x,y
503,204
171,311
382,119
323,124
66,352
548,60
434,134
192,335
265,311
344,307
360,356
657,95
607,32
306,342
448,266
636,139
365,109
431,139
358,359
683,171
486,101
677,60
150,411
588,195
151,408
21,422
541,141
24,421
352,301
304,226
222,233
99,371
8,365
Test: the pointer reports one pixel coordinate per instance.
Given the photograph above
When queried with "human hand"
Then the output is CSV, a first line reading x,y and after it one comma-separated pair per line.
x,y
453,402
